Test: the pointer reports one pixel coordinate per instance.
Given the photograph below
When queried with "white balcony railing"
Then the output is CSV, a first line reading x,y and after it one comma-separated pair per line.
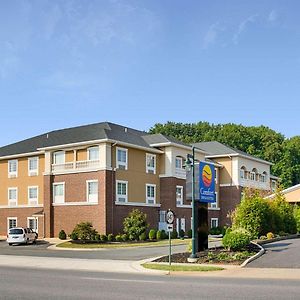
x,y
180,173
76,165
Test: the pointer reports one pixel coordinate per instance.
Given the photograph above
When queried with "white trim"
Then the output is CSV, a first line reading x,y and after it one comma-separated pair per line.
x,y
184,206
37,194
150,168
137,204
62,199
36,223
11,218
22,206
167,144
12,200
93,147
14,156
77,171
225,184
119,195
213,208
82,203
288,190
33,172
148,198
87,191
118,163
181,200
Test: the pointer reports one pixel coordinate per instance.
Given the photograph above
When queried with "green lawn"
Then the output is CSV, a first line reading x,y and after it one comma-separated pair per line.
x,y
69,244
194,268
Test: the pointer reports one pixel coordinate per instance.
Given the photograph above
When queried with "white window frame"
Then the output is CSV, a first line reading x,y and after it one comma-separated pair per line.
x,y
92,198
92,148
58,199
119,196
33,172
150,169
36,223
12,202
12,174
121,163
59,152
273,188
33,201
252,176
12,218
211,222
150,199
179,201
242,173
177,158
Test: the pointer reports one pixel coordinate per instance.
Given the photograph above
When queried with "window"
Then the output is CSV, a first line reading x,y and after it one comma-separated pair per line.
x,y
33,195
214,204
12,168
162,216
13,196
214,222
150,163
178,163
243,173
252,176
150,193
32,223
122,158
59,158
273,185
179,195
92,191
93,153
11,223
33,166
122,195
59,192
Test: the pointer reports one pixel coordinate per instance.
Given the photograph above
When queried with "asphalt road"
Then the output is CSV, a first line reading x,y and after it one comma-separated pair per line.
x,y
282,254
16,283
40,250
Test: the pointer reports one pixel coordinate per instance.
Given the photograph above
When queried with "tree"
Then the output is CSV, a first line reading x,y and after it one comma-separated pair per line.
x,y
135,224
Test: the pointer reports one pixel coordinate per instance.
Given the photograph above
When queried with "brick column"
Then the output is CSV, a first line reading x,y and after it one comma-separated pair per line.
x,y
48,215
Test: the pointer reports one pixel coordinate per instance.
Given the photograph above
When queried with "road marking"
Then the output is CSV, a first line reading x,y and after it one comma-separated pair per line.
x,y
122,280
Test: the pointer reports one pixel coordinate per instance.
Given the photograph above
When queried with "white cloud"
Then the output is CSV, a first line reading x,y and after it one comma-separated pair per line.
x,y
273,16
212,34
243,26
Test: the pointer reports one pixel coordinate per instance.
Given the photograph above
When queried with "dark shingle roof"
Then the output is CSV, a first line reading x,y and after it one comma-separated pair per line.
x,y
98,131
217,148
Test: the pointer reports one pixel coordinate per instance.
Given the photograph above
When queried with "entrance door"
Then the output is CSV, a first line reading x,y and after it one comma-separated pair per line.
x,y
182,224
32,223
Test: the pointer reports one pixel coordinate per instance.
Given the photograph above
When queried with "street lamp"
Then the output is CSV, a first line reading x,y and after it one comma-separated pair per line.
x,y
190,166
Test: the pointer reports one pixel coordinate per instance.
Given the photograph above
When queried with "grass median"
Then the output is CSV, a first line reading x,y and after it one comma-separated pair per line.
x,y
181,268
72,245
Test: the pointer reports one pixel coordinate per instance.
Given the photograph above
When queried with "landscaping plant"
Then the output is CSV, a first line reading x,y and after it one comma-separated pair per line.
x,y
152,234
84,231
62,235
237,239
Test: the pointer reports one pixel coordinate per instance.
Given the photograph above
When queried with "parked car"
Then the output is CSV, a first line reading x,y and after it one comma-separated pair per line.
x,y
20,235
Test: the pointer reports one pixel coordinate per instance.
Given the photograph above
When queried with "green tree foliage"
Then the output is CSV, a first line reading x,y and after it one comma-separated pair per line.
x,y
259,141
84,231
297,216
135,224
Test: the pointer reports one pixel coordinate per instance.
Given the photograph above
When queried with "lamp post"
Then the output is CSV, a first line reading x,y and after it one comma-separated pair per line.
x,y
190,165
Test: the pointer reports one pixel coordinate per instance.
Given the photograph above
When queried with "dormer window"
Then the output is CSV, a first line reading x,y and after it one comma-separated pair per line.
x,y
93,153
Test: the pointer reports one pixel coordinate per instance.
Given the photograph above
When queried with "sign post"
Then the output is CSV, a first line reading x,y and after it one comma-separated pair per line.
x,y
170,220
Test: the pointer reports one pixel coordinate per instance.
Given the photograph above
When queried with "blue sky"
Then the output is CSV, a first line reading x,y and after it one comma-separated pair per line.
x,y
137,63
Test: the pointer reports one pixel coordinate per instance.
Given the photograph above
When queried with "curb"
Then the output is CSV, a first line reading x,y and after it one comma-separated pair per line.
x,y
255,256
277,239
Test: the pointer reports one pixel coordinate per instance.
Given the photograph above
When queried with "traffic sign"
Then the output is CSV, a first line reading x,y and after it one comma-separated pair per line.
x,y
170,228
170,217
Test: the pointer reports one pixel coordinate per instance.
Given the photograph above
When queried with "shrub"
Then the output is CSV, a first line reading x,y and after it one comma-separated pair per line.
x,y
253,214
62,235
190,233
85,231
110,237
236,239
282,233
135,224
216,231
270,235
124,237
181,233
143,236
152,234
164,235
97,237
158,235
263,237
74,236
189,247
174,234
119,238
296,212
103,237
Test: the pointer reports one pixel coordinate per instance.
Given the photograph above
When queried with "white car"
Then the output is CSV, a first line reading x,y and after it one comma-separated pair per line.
x,y
20,235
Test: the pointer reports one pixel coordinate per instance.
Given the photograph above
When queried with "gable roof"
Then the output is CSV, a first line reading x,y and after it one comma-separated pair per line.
x,y
87,133
217,149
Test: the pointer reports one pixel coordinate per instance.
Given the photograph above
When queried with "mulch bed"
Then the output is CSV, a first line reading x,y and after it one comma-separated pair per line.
x,y
211,256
